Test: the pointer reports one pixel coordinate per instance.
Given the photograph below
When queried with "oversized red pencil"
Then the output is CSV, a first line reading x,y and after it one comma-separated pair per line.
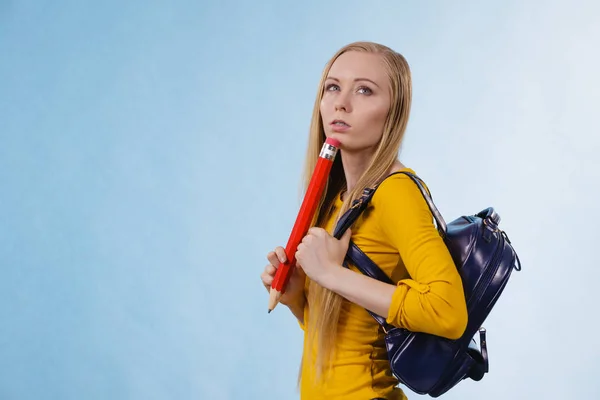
x,y
307,211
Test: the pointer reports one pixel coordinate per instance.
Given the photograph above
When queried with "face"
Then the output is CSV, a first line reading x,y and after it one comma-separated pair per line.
x,y
356,100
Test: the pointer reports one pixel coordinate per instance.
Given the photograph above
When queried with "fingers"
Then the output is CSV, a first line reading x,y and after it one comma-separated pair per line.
x,y
267,276
276,257
270,270
316,231
300,252
281,254
267,280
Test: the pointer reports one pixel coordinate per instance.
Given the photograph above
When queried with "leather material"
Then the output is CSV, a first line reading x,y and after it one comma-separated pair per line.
x,y
485,259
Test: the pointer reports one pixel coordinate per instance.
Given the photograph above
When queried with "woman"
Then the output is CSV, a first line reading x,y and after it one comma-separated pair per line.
x,y
364,101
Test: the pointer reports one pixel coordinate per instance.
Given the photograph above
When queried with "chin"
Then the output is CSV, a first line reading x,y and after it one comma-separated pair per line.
x,y
336,135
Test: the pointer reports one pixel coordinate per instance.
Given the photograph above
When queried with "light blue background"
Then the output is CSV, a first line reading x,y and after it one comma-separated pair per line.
x,y
150,157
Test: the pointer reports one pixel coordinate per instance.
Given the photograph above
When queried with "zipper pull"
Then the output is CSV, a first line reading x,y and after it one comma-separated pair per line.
x,y
484,352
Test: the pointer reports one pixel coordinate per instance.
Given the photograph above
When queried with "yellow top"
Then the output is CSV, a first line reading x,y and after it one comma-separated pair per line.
x,y
396,231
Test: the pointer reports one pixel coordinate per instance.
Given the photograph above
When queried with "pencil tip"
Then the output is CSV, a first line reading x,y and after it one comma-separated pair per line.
x,y
269,312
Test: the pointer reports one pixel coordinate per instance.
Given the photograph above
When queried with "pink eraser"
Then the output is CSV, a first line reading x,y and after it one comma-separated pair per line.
x,y
333,142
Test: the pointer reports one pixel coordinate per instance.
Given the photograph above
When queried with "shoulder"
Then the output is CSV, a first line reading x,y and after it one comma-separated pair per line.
x,y
398,186
402,211
398,194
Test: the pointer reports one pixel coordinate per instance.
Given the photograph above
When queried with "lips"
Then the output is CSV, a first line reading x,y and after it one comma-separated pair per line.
x,y
340,123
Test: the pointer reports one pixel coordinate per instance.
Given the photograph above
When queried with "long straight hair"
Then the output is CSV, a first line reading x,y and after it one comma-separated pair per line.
x,y
324,304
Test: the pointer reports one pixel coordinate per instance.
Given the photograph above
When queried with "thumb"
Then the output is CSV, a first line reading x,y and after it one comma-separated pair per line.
x,y
346,236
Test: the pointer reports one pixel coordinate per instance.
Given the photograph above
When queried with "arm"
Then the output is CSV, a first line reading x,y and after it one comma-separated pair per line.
x,y
418,308
297,308
432,300
365,291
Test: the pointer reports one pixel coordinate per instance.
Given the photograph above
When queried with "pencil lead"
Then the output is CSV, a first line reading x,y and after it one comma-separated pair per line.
x,y
269,312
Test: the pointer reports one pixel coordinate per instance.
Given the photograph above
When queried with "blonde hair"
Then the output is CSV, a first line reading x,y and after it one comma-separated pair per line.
x,y
324,304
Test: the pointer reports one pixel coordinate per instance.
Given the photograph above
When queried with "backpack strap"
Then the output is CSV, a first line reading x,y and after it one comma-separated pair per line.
x,y
355,254
362,262
441,224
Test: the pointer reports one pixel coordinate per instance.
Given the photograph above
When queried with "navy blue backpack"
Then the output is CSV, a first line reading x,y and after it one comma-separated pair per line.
x,y
485,258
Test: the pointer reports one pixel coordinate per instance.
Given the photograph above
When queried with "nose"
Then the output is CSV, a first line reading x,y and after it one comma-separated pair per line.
x,y
342,102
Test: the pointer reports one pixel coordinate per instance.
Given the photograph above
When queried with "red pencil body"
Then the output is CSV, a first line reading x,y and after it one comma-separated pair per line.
x,y
307,211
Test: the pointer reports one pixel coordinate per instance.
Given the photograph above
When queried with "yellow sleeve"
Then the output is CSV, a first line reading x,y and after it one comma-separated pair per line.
x,y
302,326
432,300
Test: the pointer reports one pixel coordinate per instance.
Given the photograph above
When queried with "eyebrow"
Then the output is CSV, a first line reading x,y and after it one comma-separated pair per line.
x,y
355,80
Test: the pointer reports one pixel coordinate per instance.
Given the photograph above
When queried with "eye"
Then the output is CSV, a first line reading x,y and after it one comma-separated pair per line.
x,y
332,86
365,90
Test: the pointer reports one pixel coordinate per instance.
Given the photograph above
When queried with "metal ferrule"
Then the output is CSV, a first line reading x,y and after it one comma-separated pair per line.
x,y
328,151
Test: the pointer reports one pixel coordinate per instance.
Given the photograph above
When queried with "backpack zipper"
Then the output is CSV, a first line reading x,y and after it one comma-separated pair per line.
x,y
485,280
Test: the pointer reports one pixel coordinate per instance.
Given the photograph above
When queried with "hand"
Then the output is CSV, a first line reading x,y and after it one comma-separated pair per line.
x,y
320,254
295,286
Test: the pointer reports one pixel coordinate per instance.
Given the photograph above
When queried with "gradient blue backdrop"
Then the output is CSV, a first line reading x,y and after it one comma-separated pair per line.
x,y
150,157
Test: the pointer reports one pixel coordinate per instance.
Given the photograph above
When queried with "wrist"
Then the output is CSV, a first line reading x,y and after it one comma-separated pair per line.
x,y
297,308
296,302
330,276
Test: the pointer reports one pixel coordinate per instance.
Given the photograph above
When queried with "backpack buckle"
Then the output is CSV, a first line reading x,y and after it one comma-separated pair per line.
x,y
358,202
479,355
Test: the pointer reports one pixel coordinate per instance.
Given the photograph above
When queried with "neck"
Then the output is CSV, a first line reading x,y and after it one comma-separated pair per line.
x,y
355,164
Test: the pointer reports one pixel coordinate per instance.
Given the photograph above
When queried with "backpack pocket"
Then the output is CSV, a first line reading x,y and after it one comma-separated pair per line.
x,y
460,370
419,360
